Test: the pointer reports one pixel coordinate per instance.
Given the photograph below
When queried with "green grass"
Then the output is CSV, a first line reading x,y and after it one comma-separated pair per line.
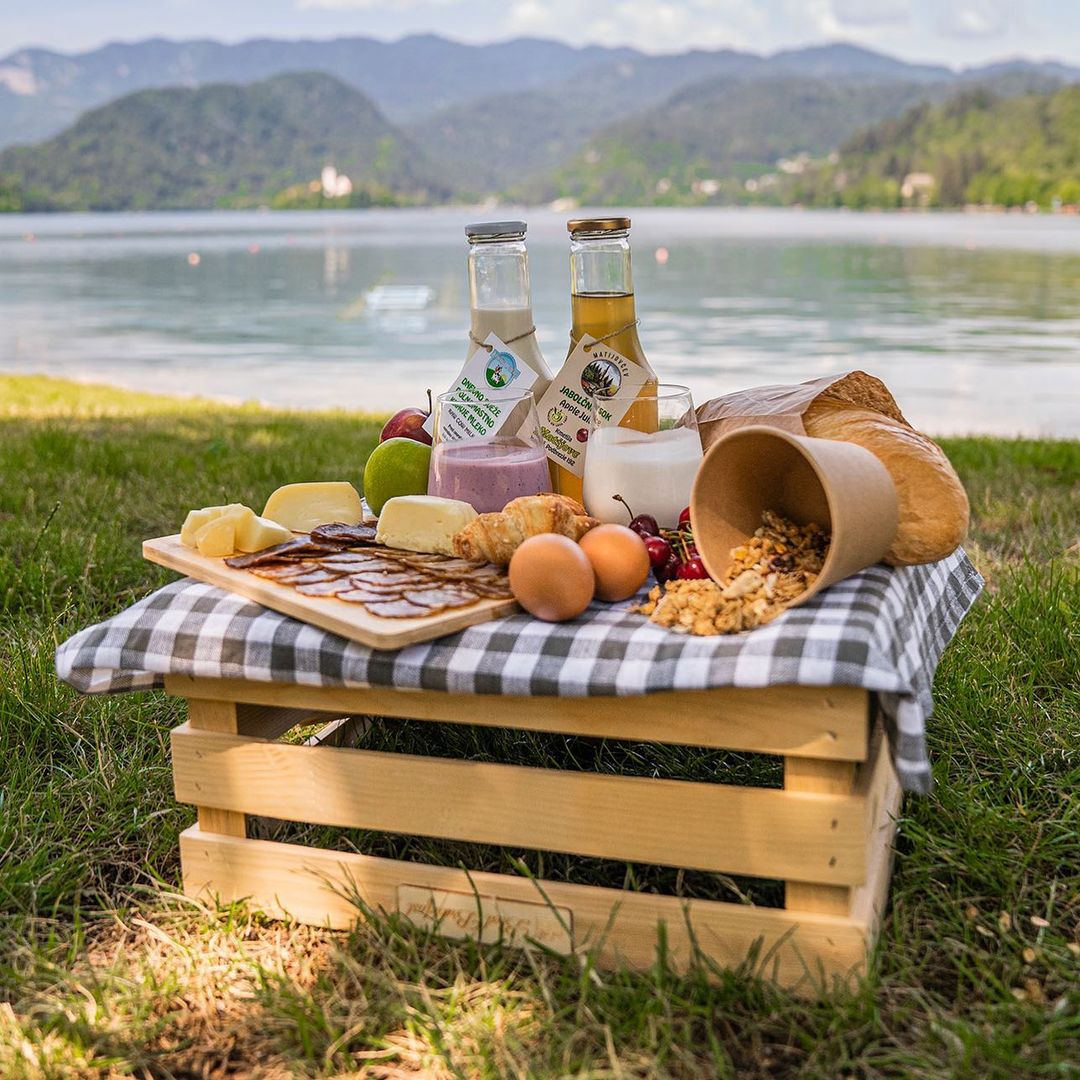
x,y
106,970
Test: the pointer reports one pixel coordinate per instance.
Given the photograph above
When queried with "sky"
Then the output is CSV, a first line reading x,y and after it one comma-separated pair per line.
x,y
954,32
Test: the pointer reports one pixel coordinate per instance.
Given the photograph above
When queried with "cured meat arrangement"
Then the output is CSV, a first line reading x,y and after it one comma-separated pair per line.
x,y
345,562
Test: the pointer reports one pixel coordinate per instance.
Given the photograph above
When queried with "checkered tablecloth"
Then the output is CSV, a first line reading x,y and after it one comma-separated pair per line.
x,y
883,629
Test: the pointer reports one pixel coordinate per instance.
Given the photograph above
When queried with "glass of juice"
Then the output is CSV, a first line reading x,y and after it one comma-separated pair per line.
x,y
653,471
486,450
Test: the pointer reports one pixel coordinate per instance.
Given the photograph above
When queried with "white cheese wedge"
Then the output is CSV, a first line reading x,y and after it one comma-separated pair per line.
x,y
217,538
255,533
301,507
196,519
423,523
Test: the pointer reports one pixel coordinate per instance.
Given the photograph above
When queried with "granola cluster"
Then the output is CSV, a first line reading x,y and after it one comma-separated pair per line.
x,y
776,565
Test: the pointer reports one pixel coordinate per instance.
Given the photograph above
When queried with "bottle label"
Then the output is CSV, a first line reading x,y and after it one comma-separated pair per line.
x,y
591,374
490,370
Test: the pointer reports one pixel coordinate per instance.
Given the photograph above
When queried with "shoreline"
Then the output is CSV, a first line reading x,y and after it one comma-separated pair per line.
x,y
28,381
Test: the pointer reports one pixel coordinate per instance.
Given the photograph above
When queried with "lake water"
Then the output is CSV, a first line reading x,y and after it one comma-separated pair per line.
x,y
972,320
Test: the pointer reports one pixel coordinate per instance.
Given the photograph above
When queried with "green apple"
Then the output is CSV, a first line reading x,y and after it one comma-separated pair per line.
x,y
395,467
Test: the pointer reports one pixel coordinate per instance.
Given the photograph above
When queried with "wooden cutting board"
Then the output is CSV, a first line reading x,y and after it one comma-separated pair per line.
x,y
350,621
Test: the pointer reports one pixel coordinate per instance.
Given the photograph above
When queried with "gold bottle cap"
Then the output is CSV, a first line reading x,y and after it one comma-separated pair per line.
x,y
597,225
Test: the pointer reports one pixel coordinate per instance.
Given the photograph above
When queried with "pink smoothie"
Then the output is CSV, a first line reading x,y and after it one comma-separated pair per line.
x,y
487,474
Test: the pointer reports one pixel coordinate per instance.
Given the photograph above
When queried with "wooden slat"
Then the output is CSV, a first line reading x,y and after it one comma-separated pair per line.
x,y
718,827
823,778
222,717
883,799
810,722
314,885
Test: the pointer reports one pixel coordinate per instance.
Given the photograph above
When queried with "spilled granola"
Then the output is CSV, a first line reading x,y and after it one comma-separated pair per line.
x,y
775,566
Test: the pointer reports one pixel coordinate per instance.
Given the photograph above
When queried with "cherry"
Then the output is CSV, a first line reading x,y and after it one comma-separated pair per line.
x,y
643,524
659,550
693,569
684,518
582,434
669,570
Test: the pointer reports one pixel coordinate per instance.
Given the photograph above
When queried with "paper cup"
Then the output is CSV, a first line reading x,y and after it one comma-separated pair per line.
x,y
838,485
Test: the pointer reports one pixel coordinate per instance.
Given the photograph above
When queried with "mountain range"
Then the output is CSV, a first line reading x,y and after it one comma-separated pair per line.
x,y
200,123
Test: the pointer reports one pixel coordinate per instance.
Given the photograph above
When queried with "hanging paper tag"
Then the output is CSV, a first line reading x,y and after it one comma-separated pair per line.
x,y
488,371
591,373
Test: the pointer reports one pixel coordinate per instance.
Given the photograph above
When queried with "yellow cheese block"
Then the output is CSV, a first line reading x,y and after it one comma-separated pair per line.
x,y
423,523
196,519
301,507
255,533
217,538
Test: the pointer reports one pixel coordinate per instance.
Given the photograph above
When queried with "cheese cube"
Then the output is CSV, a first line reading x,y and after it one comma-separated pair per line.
x,y
196,519
301,507
217,538
255,533
423,523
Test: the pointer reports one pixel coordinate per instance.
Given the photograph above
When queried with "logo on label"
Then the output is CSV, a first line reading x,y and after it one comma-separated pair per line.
x,y
556,416
601,378
501,370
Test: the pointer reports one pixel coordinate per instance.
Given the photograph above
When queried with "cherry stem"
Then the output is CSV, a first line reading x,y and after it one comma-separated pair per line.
x,y
619,498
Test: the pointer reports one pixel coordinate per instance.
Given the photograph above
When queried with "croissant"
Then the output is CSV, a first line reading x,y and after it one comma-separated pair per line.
x,y
495,537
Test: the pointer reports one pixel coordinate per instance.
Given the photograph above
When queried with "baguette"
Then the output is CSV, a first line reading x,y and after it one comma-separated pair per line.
x,y
932,501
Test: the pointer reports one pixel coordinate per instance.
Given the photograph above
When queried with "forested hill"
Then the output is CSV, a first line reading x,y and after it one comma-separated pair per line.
x,y
974,148
220,145
718,133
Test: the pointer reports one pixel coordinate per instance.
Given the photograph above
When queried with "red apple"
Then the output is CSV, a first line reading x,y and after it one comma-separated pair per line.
x,y
407,424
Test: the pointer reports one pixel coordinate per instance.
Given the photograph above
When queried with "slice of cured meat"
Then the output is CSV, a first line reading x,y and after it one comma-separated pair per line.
x,y
397,609
298,545
498,590
383,578
452,570
285,572
418,558
340,533
439,599
313,576
362,596
356,563
324,588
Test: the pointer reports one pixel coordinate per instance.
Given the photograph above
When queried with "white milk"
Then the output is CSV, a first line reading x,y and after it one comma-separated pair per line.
x,y
507,323
653,473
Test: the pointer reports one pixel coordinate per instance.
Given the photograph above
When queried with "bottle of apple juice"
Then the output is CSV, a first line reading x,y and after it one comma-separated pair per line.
x,y
605,357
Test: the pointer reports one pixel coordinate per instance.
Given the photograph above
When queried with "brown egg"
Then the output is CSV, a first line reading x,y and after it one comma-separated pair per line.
x,y
619,560
551,578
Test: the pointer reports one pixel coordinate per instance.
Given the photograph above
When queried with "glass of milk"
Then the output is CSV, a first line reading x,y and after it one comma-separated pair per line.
x,y
652,471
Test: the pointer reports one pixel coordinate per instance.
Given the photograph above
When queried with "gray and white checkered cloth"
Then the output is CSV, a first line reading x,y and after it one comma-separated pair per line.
x,y
883,629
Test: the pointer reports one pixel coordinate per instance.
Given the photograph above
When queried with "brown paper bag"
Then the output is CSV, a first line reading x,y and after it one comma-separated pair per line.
x,y
783,406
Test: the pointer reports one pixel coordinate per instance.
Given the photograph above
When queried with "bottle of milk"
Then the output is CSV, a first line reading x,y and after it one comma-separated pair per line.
x,y
501,304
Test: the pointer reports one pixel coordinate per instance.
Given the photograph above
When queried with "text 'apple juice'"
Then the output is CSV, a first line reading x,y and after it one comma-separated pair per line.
x,y
605,357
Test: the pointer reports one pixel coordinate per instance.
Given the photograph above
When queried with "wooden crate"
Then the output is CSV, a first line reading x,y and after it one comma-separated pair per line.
x,y
827,834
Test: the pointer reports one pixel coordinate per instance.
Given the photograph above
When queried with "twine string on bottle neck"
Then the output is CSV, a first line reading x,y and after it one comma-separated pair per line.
x,y
508,341
607,337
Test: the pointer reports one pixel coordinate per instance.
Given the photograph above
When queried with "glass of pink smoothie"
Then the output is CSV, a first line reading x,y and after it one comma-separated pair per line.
x,y
486,450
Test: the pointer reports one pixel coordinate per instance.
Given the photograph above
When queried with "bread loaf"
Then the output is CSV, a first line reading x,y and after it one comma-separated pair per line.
x,y
933,503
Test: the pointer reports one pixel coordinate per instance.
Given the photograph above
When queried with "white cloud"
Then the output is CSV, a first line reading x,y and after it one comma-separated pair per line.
x,y
650,25
370,5
975,21
871,12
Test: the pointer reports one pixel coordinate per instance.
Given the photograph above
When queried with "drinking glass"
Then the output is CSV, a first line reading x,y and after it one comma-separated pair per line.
x,y
652,470
487,452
